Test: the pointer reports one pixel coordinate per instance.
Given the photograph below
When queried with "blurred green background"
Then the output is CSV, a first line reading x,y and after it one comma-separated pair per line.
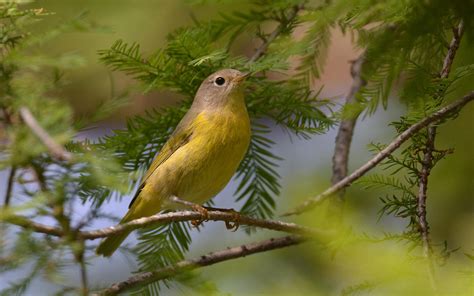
x,y
301,270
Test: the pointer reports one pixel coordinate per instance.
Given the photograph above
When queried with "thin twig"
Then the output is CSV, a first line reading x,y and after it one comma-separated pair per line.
x,y
31,225
427,162
260,51
11,176
10,184
211,215
26,222
84,281
397,142
205,260
453,47
342,147
427,165
166,218
54,148
57,205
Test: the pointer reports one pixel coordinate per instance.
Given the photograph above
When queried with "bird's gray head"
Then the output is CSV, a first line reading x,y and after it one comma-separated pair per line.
x,y
221,88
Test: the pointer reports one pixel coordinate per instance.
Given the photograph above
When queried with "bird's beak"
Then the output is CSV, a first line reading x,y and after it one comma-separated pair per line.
x,y
242,77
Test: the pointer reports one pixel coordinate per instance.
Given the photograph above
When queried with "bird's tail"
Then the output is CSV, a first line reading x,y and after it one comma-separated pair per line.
x,y
111,243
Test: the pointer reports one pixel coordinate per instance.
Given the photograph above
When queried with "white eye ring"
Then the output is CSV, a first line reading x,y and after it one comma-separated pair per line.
x,y
219,81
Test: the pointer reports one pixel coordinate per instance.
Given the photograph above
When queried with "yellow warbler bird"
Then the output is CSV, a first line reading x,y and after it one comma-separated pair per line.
x,y
199,158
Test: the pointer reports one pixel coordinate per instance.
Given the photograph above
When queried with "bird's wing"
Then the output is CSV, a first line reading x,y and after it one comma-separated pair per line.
x,y
178,139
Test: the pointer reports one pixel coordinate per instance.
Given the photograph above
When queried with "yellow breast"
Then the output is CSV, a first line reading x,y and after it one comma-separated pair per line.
x,y
218,145
201,168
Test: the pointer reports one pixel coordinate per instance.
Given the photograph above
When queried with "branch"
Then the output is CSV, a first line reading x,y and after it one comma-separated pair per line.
x,y
397,142
211,215
84,280
170,217
11,176
10,183
427,162
340,159
427,165
79,251
31,225
54,148
453,47
205,260
260,51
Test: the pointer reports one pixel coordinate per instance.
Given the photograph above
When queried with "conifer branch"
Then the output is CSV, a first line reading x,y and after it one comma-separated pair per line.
x,y
453,47
427,165
384,153
205,260
427,162
260,51
340,158
54,148
167,218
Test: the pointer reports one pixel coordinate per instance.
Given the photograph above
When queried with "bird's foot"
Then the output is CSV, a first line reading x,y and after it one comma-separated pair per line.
x,y
233,225
230,225
204,215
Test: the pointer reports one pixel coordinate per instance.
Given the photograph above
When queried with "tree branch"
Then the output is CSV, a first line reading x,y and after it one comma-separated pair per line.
x,y
10,183
54,148
79,252
212,215
84,280
31,225
397,142
205,260
166,218
427,165
427,162
453,47
342,146
11,177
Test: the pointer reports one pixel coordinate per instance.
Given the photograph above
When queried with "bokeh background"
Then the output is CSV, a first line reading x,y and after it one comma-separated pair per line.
x,y
305,170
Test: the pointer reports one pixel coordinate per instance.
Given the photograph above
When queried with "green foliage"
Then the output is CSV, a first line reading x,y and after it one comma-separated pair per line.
x,y
315,43
161,246
31,79
259,178
397,35
359,289
406,168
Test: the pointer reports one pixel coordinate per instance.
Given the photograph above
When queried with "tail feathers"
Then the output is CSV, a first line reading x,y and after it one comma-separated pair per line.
x,y
111,243
108,246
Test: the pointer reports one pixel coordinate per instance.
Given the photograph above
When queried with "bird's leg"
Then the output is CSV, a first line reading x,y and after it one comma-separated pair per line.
x,y
230,225
195,207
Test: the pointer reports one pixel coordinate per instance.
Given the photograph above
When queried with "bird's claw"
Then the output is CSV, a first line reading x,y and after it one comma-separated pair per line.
x,y
204,215
233,225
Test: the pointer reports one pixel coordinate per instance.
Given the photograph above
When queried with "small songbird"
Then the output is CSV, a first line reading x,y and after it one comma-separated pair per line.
x,y
199,158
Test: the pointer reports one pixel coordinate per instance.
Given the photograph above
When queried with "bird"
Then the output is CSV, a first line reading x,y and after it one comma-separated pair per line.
x,y
200,156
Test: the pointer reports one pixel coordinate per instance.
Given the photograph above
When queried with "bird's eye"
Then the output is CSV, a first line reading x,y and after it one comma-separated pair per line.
x,y
219,81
